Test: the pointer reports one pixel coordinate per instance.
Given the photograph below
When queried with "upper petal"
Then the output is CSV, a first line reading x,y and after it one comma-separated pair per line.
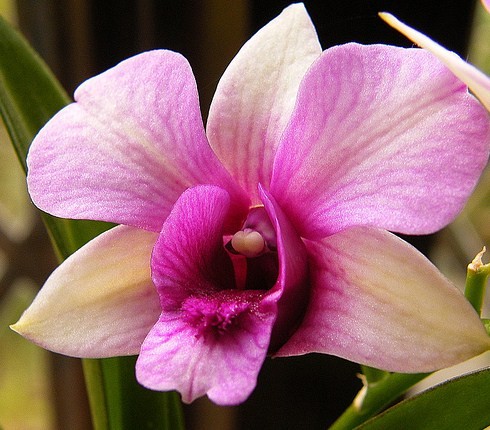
x,y
377,301
477,81
128,147
100,302
380,136
256,95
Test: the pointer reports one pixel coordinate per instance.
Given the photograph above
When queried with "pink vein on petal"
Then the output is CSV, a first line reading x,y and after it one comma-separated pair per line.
x,y
124,152
380,136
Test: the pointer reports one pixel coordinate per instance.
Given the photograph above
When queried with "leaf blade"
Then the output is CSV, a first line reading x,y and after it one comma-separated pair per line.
x,y
462,402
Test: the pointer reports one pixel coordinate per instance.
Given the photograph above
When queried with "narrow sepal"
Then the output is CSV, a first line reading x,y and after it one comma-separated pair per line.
x,y
100,302
256,94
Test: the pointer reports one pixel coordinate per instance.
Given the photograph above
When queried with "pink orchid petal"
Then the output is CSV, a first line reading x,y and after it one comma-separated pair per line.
x,y
377,301
210,338
477,81
128,147
256,95
380,136
100,302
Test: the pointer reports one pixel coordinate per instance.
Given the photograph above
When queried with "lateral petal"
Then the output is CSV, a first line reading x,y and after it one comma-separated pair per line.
x,y
476,80
256,95
377,301
124,152
100,302
380,136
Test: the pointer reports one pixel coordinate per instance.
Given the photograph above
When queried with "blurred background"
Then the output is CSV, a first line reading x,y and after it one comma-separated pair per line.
x,y
78,39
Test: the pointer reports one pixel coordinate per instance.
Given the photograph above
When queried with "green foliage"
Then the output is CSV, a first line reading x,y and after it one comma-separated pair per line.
x,y
29,96
376,395
29,93
131,405
461,403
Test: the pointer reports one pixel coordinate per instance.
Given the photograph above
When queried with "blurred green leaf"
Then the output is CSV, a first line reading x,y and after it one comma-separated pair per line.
x,y
461,403
17,216
25,369
132,406
29,93
29,96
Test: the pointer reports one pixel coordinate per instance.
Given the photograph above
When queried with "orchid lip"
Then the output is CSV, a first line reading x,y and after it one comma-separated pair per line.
x,y
213,316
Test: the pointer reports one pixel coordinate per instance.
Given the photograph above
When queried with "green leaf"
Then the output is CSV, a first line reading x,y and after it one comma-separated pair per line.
x,y
29,96
373,375
123,403
374,397
29,93
461,403
486,323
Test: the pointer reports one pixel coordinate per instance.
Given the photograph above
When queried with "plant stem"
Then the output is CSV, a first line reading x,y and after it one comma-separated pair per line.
x,y
476,282
374,397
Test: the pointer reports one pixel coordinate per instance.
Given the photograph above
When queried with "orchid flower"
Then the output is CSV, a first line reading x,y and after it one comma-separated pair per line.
x,y
266,234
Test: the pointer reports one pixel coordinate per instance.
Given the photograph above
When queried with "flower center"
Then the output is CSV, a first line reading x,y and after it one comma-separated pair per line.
x,y
253,252
248,242
256,237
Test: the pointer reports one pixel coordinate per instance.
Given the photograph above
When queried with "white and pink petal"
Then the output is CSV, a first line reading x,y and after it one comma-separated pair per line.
x,y
100,302
377,301
380,136
486,4
256,94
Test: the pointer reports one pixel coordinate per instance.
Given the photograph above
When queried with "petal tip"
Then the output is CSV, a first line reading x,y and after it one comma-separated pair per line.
x,y
24,325
16,327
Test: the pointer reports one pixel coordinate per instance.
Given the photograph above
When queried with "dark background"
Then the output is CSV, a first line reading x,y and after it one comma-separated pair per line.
x,y
82,38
